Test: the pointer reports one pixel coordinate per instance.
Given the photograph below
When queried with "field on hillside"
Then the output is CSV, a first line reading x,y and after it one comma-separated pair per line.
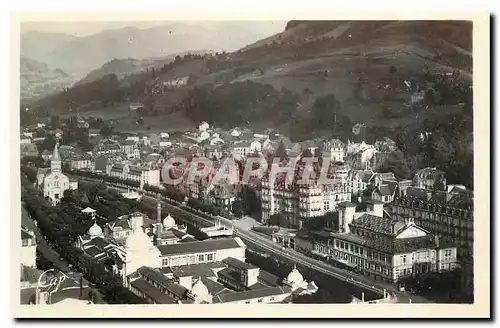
x,y
161,123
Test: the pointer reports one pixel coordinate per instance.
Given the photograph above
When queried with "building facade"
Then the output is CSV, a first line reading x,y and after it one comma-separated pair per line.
x,y
382,247
446,214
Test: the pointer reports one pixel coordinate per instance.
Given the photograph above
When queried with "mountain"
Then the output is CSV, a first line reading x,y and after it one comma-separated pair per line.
x,y
373,68
38,79
79,55
127,66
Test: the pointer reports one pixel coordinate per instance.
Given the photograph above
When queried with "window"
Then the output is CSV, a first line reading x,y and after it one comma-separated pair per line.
x,y
259,300
26,242
337,243
164,262
210,257
192,259
272,298
201,258
247,302
403,259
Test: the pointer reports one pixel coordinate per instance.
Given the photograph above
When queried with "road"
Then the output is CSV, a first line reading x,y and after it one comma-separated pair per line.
x,y
296,257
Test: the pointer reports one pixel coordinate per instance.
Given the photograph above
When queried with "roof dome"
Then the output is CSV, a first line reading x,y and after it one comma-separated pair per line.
x,y
95,230
199,289
295,277
138,240
169,222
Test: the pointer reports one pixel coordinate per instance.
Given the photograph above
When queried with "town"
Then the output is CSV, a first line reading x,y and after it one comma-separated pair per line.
x,y
97,205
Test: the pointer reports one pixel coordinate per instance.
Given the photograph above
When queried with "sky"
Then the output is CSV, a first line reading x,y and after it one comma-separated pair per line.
x,y
88,28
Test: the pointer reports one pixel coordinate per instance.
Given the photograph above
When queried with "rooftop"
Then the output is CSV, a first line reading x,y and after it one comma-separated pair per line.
x,y
251,294
199,246
374,223
152,292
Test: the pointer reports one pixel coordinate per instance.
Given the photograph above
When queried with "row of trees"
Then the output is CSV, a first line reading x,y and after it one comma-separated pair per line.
x,y
61,226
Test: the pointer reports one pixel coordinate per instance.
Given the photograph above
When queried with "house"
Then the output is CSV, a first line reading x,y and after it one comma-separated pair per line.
x,y
25,139
128,147
385,145
203,127
255,146
216,140
334,149
360,180
94,133
80,162
384,192
28,248
242,148
430,178
107,147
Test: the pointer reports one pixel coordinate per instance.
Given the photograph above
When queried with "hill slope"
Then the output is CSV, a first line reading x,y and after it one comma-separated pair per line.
x,y
38,79
367,65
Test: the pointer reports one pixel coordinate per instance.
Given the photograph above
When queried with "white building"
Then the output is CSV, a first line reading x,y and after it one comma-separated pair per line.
x,y
140,250
55,183
28,248
255,146
203,127
198,252
335,150
145,175
242,148
298,202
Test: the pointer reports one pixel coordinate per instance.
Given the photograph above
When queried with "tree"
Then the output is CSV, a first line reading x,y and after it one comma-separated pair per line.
x,y
55,122
48,143
327,111
396,163
278,219
237,207
281,151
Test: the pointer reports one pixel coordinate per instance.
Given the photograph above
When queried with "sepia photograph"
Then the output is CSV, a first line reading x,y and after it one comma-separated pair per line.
x,y
274,162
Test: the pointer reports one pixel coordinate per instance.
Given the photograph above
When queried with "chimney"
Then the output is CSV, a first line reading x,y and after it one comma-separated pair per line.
x,y
378,208
346,215
158,212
